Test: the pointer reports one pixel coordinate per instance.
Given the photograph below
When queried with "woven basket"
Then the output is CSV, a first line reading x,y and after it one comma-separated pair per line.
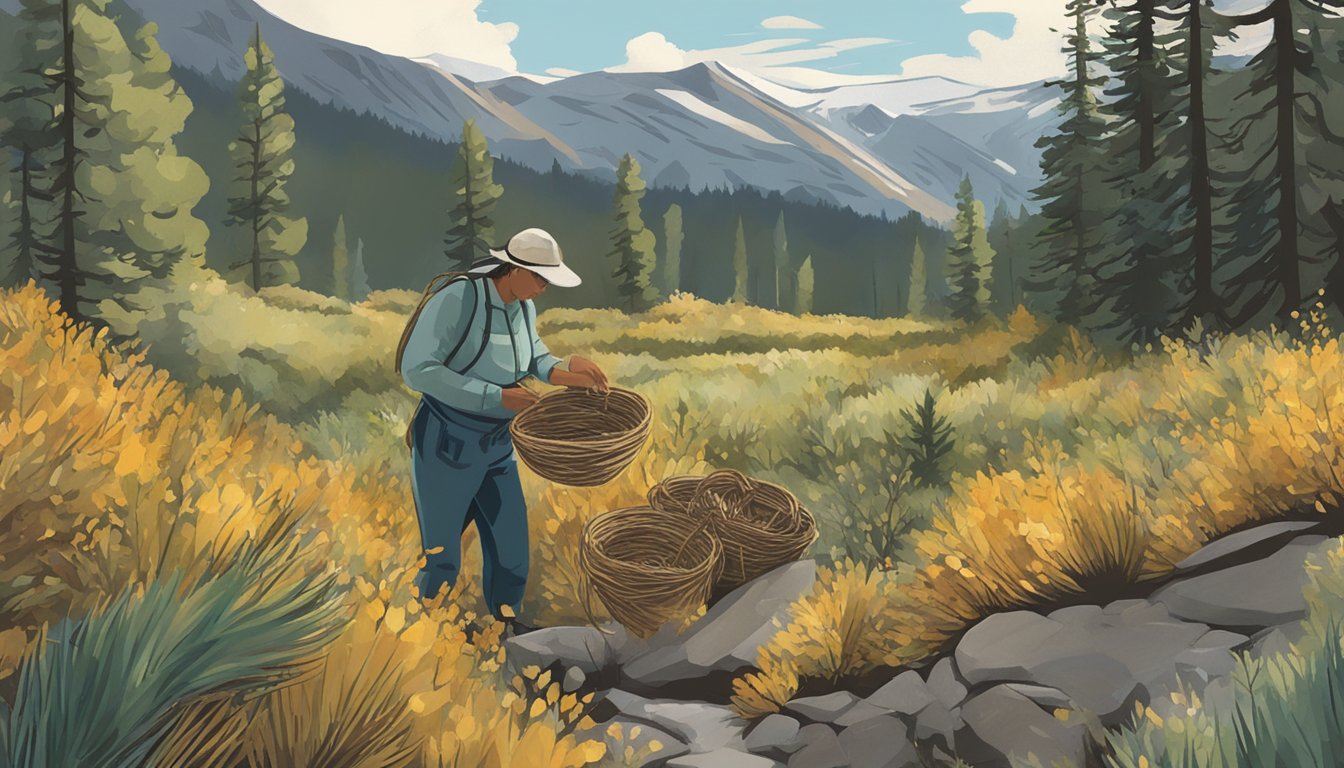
x,y
649,567
581,437
761,525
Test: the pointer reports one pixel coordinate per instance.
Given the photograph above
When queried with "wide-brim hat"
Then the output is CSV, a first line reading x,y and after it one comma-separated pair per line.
x,y
534,250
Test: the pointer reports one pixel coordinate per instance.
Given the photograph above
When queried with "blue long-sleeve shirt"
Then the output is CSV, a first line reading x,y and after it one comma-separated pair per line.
x,y
512,351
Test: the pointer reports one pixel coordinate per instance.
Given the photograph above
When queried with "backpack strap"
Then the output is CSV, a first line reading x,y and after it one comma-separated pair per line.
x,y
485,339
528,322
462,339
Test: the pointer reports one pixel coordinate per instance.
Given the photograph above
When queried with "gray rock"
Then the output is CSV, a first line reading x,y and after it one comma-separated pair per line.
x,y
1003,725
725,639
670,745
881,742
1103,668
1042,696
706,726
1277,640
938,723
721,758
822,709
906,694
1228,548
774,733
1078,615
945,685
1006,646
1263,593
1118,607
821,749
1210,657
584,647
862,711
574,680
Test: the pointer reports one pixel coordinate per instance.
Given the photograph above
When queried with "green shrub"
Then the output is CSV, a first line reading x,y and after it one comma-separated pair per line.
x,y
1288,709
103,690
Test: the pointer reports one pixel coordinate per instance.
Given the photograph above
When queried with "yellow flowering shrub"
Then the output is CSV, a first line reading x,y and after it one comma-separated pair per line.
x,y
112,475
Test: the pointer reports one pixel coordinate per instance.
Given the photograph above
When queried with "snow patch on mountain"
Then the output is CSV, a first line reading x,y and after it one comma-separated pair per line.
x,y
708,112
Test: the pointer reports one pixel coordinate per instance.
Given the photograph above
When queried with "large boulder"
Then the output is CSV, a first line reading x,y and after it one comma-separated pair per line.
x,y
1251,544
775,735
1101,661
1002,724
906,694
641,737
721,758
1255,595
820,749
585,648
705,727
879,742
822,709
725,640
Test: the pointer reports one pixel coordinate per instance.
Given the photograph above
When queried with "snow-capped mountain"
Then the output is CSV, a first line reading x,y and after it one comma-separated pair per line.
x,y
882,148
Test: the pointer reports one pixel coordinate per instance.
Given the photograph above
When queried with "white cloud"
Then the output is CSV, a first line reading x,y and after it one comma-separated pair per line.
x,y
653,52
1032,51
412,28
788,22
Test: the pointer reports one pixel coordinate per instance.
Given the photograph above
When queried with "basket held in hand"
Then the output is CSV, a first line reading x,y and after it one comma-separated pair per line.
x,y
582,437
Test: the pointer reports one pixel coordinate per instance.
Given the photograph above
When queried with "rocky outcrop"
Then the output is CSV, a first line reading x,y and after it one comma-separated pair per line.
x,y
1018,685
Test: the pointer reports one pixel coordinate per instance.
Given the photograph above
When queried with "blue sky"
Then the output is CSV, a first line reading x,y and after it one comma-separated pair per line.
x,y
586,35
809,43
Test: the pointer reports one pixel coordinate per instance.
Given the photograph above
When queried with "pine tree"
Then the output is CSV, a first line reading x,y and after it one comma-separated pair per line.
x,y
919,280
263,164
1323,197
928,443
1202,300
673,235
120,195
1070,163
1283,98
471,221
740,265
26,134
802,300
782,268
340,262
359,276
633,244
1144,196
1008,244
969,258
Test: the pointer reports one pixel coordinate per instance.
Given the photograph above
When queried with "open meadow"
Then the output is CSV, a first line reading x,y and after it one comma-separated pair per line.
x,y
270,551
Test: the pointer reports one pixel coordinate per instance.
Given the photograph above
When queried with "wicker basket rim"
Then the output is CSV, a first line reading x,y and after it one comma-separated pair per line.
x,y
518,432
646,417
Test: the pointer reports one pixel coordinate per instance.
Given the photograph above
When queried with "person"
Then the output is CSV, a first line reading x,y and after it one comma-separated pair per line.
x,y
465,351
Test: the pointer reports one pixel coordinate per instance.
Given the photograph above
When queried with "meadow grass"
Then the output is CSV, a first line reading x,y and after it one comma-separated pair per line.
x,y
1074,475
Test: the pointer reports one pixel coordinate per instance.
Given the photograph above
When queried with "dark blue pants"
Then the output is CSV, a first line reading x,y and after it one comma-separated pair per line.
x,y
463,470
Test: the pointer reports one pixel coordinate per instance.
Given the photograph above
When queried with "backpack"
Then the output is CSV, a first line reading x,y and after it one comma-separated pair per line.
x,y
432,288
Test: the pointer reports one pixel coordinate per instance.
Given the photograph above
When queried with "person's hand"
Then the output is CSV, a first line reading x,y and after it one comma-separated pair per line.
x,y
517,398
590,371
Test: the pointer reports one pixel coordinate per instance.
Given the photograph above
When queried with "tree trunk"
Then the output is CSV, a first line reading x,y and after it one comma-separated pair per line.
x,y
1203,301
1285,47
256,201
67,277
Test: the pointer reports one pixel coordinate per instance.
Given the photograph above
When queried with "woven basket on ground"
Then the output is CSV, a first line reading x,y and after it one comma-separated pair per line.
x,y
761,525
581,437
649,567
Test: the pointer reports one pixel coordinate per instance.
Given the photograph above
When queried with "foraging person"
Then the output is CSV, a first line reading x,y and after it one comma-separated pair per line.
x,y
469,344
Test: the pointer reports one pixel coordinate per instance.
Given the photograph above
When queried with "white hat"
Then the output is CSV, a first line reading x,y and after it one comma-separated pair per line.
x,y
535,250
